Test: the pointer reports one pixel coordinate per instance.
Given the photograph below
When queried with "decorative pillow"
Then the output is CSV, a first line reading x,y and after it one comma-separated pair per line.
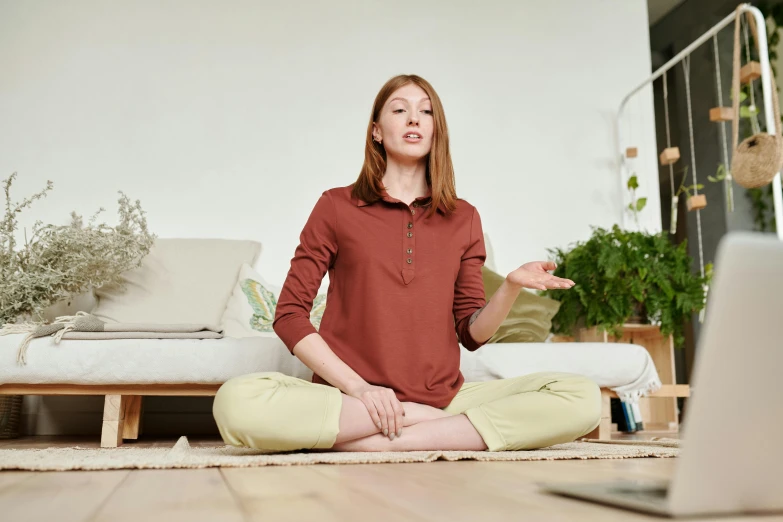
x,y
530,317
179,281
251,308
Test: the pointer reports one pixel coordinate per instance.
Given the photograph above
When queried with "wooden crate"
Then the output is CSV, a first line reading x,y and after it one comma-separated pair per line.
x,y
660,412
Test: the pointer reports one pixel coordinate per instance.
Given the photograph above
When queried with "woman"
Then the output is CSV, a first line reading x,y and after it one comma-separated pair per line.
x,y
404,257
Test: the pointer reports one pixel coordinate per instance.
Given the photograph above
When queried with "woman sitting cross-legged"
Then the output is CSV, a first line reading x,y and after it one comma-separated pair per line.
x,y
404,258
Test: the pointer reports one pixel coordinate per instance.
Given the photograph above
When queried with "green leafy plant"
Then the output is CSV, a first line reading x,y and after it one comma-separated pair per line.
x,y
622,275
636,205
58,262
720,174
688,190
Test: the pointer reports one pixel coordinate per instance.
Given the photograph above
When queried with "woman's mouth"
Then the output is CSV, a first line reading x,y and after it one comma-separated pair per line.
x,y
412,137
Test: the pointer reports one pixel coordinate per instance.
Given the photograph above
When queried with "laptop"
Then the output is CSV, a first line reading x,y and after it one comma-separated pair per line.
x,y
732,458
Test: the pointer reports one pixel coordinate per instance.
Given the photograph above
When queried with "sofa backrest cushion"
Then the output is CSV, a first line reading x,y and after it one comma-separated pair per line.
x,y
181,280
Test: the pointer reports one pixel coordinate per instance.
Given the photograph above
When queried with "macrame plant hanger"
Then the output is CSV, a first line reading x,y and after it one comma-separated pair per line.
x,y
675,198
723,114
697,206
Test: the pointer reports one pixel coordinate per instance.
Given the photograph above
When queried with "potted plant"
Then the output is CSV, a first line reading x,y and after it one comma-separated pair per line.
x,y
623,276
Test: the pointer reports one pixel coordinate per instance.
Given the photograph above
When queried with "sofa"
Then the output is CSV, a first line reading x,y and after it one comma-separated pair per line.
x,y
220,282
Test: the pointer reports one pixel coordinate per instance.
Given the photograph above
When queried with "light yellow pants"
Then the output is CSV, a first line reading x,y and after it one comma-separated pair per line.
x,y
273,411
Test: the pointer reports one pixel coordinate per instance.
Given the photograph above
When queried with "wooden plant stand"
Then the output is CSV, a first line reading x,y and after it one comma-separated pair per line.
x,y
659,410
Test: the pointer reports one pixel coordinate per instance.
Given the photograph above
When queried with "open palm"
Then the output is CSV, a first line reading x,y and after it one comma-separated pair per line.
x,y
536,275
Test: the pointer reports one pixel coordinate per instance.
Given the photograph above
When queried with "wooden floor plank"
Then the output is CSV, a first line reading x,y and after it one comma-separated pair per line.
x,y
295,493
11,478
431,490
64,496
171,495
464,490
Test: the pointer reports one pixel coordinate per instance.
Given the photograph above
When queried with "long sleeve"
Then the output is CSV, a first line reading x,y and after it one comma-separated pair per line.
x,y
469,294
312,259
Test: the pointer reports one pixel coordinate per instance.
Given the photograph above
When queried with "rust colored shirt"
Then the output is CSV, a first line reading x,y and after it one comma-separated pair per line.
x,y
402,290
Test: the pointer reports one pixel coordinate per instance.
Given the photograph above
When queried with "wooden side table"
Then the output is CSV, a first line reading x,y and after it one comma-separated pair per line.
x,y
659,411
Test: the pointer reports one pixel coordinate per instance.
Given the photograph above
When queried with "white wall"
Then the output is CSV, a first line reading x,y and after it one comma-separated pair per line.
x,y
228,119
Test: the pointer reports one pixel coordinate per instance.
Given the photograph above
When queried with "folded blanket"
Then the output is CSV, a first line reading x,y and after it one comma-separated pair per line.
x,y
87,326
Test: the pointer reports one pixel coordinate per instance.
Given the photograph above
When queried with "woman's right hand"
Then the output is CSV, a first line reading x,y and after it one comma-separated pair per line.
x,y
384,408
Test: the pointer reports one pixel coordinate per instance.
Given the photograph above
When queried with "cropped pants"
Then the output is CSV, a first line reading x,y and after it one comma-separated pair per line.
x,y
273,411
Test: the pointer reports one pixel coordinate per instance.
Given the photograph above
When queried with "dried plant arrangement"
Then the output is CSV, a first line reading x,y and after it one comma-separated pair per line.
x,y
61,261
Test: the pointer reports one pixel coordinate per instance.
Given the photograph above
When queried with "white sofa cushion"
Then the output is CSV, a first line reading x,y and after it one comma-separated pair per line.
x,y
625,368
181,280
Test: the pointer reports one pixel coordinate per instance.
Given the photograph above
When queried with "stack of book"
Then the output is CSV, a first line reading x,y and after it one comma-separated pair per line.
x,y
627,416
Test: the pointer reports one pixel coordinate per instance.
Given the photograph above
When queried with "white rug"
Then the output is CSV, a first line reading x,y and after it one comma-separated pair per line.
x,y
182,455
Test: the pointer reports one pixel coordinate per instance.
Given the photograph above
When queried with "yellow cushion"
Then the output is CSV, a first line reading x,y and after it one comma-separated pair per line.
x,y
530,317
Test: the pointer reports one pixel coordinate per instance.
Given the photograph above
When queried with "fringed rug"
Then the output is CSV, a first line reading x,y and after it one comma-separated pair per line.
x,y
182,455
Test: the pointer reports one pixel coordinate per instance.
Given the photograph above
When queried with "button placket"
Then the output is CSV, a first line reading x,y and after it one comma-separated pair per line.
x,y
409,244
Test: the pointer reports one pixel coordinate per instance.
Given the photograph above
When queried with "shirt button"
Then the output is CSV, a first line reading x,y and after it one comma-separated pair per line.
x,y
410,250
410,225
410,260
413,211
410,234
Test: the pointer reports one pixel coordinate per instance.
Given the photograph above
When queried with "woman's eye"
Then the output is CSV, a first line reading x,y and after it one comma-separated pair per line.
x,y
428,111
398,110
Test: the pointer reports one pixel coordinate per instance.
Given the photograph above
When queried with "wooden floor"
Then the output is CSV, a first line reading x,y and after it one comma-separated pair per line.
x,y
452,491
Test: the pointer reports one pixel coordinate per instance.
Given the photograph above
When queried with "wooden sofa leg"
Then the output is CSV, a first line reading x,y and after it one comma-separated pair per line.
x,y
604,429
133,411
113,420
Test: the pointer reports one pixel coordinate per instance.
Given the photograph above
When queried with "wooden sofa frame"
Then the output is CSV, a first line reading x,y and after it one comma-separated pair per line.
x,y
122,411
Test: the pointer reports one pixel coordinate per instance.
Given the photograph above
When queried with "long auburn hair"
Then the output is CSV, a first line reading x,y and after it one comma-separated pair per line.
x,y
439,169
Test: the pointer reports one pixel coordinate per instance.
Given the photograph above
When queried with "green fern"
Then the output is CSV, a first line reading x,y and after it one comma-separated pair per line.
x,y
620,274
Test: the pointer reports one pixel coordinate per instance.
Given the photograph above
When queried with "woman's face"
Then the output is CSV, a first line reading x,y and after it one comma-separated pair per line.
x,y
408,110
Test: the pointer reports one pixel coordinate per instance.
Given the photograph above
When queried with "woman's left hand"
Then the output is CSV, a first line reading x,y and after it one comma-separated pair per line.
x,y
536,275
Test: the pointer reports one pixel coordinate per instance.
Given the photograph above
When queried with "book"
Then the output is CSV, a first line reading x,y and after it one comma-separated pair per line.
x,y
637,415
629,418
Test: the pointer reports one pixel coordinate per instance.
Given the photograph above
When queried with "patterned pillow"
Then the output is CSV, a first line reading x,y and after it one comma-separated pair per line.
x,y
251,309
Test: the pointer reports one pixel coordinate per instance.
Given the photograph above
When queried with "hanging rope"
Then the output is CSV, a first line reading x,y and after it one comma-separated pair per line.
x,y
727,182
675,199
753,119
686,65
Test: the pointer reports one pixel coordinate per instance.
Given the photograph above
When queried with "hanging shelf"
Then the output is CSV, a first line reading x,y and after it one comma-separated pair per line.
x,y
750,71
697,202
721,114
670,155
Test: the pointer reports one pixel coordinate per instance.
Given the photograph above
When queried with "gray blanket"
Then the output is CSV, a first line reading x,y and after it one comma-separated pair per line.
x,y
87,326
